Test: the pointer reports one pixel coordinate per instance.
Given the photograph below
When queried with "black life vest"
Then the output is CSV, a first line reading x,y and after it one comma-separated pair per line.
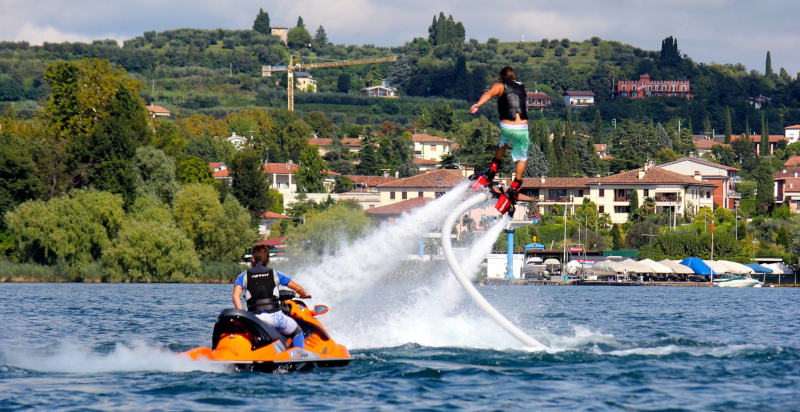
x,y
261,283
512,101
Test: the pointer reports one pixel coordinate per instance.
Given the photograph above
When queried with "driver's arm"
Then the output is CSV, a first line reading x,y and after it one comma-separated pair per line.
x,y
237,297
297,288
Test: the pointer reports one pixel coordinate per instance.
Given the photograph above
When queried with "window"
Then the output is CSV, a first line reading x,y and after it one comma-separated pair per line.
x,y
438,194
405,195
580,192
623,88
602,192
622,209
391,195
646,192
433,148
708,195
601,209
419,194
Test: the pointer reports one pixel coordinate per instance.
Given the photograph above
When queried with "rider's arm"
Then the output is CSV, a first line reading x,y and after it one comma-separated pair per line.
x,y
297,288
237,297
495,91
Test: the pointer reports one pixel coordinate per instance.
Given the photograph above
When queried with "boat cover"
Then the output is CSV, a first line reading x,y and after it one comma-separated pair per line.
x,y
657,267
676,267
698,266
717,266
737,268
758,268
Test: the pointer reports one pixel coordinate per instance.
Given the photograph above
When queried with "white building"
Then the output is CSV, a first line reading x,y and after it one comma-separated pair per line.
x,y
792,133
578,98
239,142
429,147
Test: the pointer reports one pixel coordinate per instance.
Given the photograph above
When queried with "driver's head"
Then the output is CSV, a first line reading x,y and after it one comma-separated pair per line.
x,y
260,255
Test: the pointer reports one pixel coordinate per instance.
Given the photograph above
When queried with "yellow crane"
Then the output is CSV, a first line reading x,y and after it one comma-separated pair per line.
x,y
293,67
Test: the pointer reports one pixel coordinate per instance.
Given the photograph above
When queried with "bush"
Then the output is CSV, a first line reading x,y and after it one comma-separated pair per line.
x,y
538,52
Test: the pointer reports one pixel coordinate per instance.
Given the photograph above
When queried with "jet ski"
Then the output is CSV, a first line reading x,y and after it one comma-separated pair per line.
x,y
247,343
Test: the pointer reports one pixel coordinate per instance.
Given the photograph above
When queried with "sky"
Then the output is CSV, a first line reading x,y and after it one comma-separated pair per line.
x,y
718,31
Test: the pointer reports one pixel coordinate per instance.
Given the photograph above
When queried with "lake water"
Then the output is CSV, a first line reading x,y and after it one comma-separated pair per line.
x,y
417,344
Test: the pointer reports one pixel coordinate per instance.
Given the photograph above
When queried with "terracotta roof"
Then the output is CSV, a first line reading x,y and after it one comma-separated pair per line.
x,y
214,165
653,175
786,173
797,126
157,109
756,138
708,144
702,162
579,93
421,137
538,95
399,207
273,215
280,168
428,162
271,242
792,161
442,178
370,181
536,182
219,174
600,147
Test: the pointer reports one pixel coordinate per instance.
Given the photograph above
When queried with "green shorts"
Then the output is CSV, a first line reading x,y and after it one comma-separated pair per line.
x,y
515,135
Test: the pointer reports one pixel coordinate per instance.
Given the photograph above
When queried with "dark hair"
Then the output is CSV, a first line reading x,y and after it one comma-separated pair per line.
x,y
261,255
508,74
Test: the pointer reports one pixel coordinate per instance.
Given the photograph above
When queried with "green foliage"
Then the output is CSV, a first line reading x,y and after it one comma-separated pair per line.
x,y
168,139
249,184
444,31
298,37
764,190
154,173
343,184
327,231
311,170
73,229
192,169
617,241
633,206
261,23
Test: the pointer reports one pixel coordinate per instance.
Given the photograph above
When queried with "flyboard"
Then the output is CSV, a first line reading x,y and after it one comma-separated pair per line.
x,y
482,303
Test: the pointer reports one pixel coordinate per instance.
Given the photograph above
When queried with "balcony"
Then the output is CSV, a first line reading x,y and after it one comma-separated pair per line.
x,y
560,199
667,199
622,198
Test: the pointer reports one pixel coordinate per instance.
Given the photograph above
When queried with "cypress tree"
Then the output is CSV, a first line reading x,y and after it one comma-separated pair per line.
x,y
558,149
768,69
617,242
549,153
707,126
597,128
728,128
764,149
261,24
633,205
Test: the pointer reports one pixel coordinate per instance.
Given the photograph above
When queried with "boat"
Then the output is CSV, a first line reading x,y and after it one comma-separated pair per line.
x,y
736,281
248,344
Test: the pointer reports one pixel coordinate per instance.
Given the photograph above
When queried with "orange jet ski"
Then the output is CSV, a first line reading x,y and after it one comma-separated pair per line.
x,y
241,339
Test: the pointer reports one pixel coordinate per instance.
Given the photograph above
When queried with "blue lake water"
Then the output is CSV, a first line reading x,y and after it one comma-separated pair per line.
x,y
113,346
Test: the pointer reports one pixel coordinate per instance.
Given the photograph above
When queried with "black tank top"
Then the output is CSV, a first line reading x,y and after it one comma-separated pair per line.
x,y
512,101
262,284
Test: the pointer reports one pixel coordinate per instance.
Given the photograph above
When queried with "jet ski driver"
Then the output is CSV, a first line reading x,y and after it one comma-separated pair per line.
x,y
260,285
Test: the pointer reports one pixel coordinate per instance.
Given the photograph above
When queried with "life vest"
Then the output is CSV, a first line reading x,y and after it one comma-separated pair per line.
x,y
262,283
512,101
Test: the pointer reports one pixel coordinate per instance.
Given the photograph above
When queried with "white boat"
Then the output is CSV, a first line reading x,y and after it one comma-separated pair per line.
x,y
736,282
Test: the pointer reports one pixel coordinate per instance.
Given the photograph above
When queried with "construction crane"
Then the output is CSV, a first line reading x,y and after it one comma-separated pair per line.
x,y
266,71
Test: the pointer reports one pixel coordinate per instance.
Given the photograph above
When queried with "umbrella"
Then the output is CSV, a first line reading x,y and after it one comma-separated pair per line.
x,y
698,266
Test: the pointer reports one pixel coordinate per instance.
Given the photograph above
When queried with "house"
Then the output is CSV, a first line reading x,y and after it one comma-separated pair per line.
x,y
430,147
724,178
670,191
704,145
393,211
787,188
431,185
266,220
578,98
537,100
774,140
644,88
602,151
305,82
220,171
157,111
238,142
282,32
380,91
758,101
792,133
352,144
281,177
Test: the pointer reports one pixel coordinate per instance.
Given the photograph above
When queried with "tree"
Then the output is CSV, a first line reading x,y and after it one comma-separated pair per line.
x,y
343,83
633,206
73,229
249,184
764,146
320,38
764,190
443,31
300,22
343,184
168,139
368,164
640,234
219,233
325,232
311,171
617,241
537,164
192,169
728,127
768,69
597,128
154,174
261,24
298,37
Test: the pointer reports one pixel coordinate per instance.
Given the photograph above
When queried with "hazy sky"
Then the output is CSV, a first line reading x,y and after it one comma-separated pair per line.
x,y
721,31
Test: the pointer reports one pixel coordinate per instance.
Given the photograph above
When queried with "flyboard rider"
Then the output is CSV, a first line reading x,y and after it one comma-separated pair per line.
x,y
260,286
511,105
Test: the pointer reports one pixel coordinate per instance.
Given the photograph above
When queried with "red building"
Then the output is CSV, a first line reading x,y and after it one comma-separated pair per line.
x,y
644,88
